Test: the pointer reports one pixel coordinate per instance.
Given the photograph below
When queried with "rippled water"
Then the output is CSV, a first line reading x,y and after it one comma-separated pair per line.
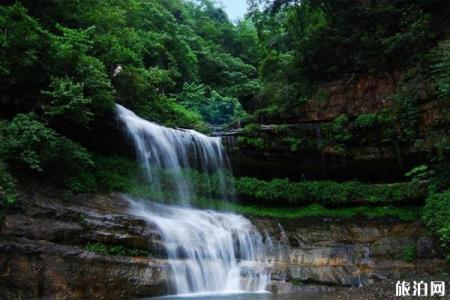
x,y
250,296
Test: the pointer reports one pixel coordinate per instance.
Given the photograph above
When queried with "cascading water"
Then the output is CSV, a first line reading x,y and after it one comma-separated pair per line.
x,y
158,147
208,251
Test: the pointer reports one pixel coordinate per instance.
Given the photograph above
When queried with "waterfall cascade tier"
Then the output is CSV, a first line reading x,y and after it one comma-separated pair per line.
x,y
158,147
208,251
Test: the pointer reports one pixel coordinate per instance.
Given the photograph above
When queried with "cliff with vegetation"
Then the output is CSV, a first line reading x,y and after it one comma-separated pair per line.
x,y
333,112
90,247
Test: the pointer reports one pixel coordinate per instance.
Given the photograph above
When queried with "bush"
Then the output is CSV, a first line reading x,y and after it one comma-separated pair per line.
x,y
436,216
66,100
409,253
366,120
282,192
327,193
440,70
30,145
7,185
253,142
214,108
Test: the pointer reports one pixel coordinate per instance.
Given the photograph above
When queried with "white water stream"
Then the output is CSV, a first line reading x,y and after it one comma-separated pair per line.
x,y
208,252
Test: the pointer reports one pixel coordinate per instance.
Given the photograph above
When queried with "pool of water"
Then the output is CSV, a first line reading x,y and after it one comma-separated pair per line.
x,y
248,296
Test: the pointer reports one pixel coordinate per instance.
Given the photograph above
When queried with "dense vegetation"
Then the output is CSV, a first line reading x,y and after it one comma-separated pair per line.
x,y
64,64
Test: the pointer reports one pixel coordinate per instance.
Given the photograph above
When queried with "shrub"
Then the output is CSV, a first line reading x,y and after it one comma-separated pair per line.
x,y
254,142
31,145
293,143
409,253
436,216
251,129
66,100
440,69
7,185
327,193
366,120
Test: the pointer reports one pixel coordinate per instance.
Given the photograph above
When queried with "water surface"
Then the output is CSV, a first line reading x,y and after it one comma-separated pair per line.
x,y
249,296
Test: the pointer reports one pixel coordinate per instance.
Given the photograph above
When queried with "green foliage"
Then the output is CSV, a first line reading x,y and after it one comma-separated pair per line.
x,y
328,193
409,253
305,44
440,69
315,211
374,128
282,192
7,185
168,112
337,133
330,39
436,216
407,114
251,129
66,100
293,143
419,173
366,120
106,249
214,108
254,142
440,165
117,174
62,66
29,143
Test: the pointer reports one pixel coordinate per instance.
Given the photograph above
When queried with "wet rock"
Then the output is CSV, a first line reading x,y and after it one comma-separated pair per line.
x,y
33,269
342,253
43,256
43,250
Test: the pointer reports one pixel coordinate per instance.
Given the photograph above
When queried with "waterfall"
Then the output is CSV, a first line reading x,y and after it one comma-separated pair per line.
x,y
208,251
158,147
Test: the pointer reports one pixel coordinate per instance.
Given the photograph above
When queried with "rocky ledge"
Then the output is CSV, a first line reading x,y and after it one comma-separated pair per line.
x,y
44,251
324,254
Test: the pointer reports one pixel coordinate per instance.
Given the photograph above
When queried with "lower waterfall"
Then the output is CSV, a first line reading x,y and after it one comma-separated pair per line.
x,y
208,251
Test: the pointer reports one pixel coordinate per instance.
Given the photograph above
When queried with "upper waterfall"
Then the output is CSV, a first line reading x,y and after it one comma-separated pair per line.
x,y
161,148
207,251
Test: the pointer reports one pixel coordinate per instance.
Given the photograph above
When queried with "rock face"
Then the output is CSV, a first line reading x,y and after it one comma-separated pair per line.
x,y
323,253
324,139
43,250
352,96
43,256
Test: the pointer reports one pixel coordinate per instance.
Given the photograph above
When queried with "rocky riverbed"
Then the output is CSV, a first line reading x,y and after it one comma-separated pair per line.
x,y
44,253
